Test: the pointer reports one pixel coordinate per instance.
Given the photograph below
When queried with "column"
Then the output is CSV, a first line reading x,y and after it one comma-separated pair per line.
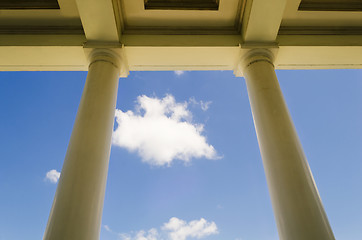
x,y
295,199
78,203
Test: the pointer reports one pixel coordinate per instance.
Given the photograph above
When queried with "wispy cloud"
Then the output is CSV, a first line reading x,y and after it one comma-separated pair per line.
x,y
108,229
204,105
161,131
52,176
151,234
175,229
179,72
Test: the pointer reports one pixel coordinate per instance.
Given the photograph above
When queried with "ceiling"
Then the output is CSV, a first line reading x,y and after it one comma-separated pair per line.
x,y
136,17
181,36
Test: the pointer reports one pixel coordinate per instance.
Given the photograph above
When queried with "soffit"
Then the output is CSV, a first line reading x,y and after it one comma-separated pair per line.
x,y
67,15
227,17
294,17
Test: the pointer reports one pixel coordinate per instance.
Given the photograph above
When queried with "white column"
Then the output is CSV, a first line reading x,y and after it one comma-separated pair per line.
x,y
78,203
295,199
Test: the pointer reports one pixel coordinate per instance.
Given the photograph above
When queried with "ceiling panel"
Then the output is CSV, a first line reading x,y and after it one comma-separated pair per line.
x,y
136,16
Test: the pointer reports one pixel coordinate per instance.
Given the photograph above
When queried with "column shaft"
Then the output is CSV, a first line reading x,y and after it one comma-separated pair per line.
x,y
295,199
77,208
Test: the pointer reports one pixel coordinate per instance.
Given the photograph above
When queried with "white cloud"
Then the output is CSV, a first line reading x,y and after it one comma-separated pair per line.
x,y
161,131
52,176
179,72
181,230
175,229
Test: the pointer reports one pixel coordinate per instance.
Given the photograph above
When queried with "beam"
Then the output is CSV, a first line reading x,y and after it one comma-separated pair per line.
x,y
198,52
181,58
261,20
99,20
319,57
43,58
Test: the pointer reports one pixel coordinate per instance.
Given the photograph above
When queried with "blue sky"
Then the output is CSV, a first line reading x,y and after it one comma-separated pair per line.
x,y
224,192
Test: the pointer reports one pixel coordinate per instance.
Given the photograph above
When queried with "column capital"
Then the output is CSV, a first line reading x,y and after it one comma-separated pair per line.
x,y
252,56
112,54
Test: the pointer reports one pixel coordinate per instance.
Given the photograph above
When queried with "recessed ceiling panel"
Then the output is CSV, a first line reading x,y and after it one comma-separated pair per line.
x,y
322,14
182,4
330,5
182,16
29,4
39,15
